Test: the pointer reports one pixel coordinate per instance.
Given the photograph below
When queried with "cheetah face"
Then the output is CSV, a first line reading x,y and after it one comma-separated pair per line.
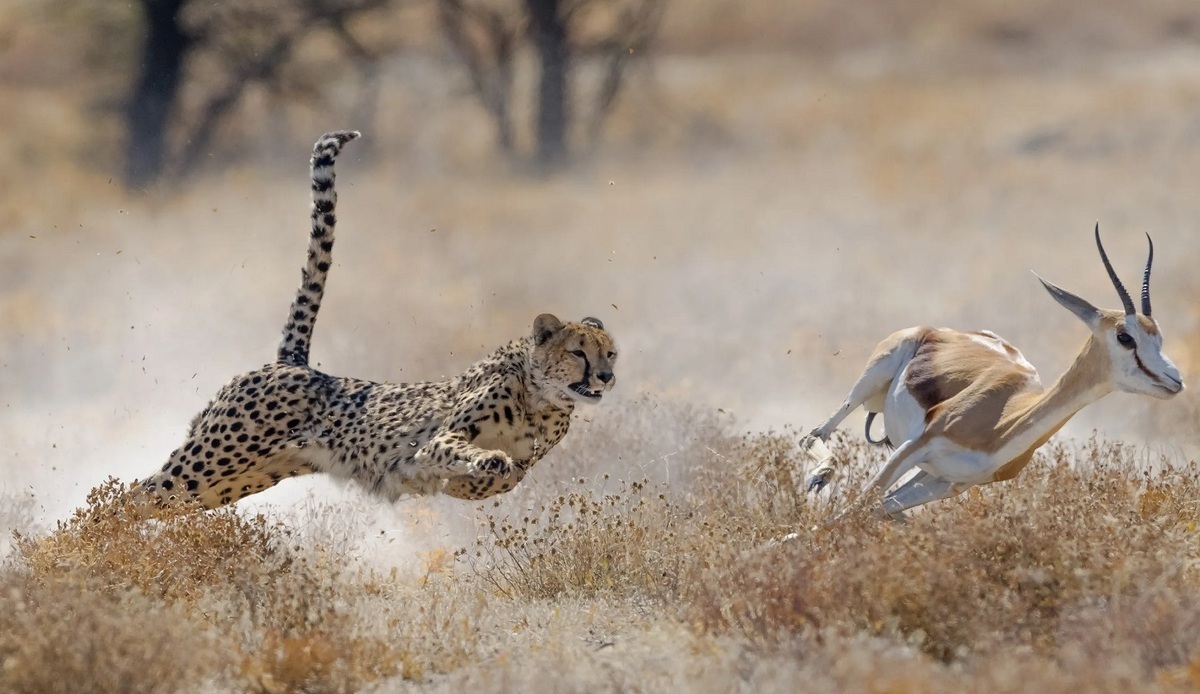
x,y
572,362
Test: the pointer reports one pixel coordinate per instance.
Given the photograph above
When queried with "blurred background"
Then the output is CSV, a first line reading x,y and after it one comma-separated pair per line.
x,y
749,193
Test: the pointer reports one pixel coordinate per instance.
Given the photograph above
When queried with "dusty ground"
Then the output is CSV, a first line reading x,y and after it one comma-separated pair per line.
x,y
758,221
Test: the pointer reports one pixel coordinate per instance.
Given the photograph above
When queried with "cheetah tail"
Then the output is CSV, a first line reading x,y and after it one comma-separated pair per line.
x,y
302,316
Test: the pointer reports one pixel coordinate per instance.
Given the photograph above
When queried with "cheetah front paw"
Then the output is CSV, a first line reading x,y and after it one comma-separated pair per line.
x,y
496,463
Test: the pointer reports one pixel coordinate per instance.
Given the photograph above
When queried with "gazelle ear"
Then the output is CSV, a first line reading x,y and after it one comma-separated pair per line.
x,y
1083,310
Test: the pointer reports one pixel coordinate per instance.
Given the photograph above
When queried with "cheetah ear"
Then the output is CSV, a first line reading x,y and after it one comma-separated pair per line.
x,y
594,322
544,326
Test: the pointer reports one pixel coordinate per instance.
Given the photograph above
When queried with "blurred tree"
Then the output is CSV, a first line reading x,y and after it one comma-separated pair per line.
x,y
548,30
485,35
163,50
226,47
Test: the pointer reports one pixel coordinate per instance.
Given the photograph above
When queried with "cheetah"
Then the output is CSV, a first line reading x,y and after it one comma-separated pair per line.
x,y
470,437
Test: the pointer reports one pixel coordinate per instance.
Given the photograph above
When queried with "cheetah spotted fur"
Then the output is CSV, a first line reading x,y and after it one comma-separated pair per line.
x,y
471,436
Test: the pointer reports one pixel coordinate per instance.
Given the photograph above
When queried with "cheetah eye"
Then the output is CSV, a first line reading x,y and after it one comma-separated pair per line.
x,y
579,353
1126,340
612,355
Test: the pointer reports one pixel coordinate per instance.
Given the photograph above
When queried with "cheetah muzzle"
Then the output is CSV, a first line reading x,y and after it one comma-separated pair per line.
x,y
586,393
471,436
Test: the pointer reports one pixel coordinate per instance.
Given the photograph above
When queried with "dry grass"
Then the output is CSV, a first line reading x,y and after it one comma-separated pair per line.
x,y
1080,574
201,597
999,569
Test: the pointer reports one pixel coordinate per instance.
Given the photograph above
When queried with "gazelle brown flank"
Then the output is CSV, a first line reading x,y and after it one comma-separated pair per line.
x,y
966,408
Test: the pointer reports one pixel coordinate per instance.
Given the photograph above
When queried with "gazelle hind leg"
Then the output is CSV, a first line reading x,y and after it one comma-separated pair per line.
x,y
903,459
219,485
871,388
872,385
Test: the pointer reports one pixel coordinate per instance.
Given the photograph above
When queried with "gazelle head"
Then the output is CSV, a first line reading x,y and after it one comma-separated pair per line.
x,y
1132,340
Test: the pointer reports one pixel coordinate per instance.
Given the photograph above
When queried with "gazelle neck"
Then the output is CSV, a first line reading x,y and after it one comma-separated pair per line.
x,y
1043,414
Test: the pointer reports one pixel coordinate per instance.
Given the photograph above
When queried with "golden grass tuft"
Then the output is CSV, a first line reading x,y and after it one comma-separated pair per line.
x,y
173,553
210,594
580,543
55,637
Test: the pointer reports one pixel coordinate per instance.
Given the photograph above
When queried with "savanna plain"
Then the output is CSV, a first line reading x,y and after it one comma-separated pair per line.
x,y
777,190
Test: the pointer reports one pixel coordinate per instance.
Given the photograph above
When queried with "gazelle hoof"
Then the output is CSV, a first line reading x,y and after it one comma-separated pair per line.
x,y
819,479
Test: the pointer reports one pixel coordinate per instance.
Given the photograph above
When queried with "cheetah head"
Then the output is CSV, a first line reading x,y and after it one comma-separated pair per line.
x,y
572,362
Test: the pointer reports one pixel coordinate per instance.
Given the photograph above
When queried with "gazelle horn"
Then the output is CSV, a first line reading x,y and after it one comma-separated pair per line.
x,y
1146,279
1112,274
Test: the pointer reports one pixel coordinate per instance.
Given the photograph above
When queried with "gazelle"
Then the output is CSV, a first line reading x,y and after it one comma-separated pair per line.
x,y
967,409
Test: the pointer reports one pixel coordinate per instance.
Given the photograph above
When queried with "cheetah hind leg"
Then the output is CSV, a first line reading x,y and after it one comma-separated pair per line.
x,y
212,485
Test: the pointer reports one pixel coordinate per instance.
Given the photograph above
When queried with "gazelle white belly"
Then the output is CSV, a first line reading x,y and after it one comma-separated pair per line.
x,y
903,418
948,460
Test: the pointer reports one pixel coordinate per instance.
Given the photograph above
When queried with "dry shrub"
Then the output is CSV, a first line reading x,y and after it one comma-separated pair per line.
x,y
581,543
175,553
1156,630
765,497
167,581
56,638
640,476
310,629
635,518
319,661
104,606
1003,566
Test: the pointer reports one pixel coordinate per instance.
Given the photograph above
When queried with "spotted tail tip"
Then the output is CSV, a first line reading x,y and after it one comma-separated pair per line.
x,y
340,137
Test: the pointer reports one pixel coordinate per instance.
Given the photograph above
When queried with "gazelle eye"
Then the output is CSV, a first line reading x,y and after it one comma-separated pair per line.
x,y
1126,340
